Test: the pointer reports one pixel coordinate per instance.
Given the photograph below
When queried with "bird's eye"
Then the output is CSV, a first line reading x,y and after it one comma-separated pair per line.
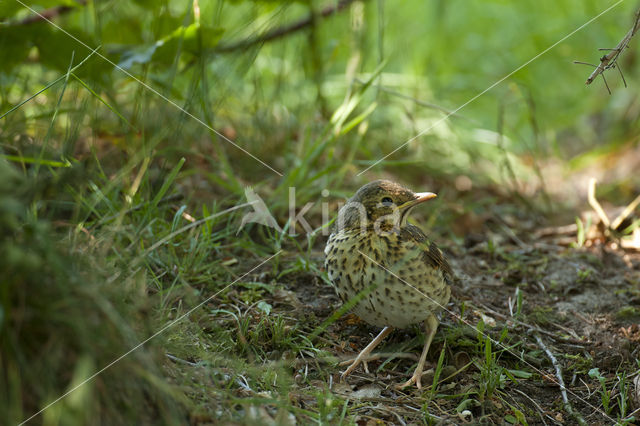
x,y
386,201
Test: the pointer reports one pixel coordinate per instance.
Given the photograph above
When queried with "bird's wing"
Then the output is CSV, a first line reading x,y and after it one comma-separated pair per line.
x,y
432,254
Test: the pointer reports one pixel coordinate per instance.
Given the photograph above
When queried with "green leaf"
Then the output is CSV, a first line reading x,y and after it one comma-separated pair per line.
x,y
594,373
167,182
141,55
436,375
41,161
467,404
177,217
264,307
358,119
510,419
192,39
520,374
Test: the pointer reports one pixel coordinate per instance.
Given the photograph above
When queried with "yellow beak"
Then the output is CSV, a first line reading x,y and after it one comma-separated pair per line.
x,y
421,197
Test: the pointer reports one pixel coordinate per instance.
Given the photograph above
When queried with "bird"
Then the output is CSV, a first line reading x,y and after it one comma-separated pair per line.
x,y
387,269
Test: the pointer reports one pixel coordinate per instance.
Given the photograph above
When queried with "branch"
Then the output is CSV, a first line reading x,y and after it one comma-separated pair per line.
x,y
595,204
48,14
625,213
563,388
282,31
610,59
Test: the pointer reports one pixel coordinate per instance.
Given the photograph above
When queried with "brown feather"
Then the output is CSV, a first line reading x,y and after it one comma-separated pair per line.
x,y
432,254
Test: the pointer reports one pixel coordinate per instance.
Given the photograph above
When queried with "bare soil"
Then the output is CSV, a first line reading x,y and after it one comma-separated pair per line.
x,y
581,305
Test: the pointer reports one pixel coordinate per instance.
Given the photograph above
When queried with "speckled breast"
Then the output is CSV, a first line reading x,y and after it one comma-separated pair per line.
x,y
388,275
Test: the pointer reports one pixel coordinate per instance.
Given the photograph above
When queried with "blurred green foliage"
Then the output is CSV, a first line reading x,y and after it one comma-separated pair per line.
x,y
60,321
440,52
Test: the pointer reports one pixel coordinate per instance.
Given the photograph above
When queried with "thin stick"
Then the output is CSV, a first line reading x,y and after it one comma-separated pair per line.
x,y
605,83
532,327
626,212
378,355
593,202
609,60
281,31
585,63
48,14
622,76
563,388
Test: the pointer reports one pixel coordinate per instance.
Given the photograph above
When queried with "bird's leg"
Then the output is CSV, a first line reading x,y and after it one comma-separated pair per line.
x,y
366,351
431,325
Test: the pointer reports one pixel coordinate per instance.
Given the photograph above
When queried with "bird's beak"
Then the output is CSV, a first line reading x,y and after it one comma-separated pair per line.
x,y
421,197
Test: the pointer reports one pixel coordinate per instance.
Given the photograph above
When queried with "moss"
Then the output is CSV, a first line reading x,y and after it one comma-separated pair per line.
x,y
627,313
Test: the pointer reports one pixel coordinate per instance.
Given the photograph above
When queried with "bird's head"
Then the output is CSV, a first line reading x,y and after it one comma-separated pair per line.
x,y
381,203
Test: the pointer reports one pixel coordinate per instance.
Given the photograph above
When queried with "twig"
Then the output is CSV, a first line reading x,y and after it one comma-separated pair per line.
x,y
632,414
532,327
610,59
282,31
376,356
605,83
570,229
611,226
418,101
180,360
627,211
506,228
563,389
593,202
48,14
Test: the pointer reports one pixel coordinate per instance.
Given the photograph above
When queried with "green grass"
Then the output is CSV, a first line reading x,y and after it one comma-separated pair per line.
x,y
116,208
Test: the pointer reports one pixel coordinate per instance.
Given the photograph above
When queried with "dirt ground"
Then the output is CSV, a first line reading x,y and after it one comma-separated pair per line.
x,y
537,297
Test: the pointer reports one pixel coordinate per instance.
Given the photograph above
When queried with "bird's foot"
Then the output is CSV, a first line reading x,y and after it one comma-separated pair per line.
x,y
364,354
353,364
415,379
431,326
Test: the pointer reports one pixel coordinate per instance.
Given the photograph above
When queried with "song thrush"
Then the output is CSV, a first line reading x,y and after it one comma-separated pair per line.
x,y
386,268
